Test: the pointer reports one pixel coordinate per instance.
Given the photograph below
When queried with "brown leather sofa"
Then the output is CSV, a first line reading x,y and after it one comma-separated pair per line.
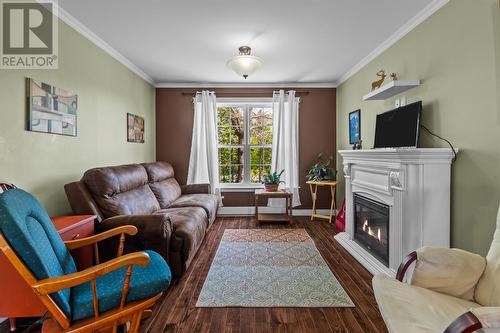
x,y
172,219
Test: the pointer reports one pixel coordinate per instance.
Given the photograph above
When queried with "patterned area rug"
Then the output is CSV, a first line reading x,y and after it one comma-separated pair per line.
x,y
270,268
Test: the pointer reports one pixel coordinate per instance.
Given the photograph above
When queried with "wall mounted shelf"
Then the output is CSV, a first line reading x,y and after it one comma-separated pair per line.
x,y
391,89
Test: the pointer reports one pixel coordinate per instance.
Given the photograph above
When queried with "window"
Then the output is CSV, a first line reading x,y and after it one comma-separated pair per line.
x,y
245,142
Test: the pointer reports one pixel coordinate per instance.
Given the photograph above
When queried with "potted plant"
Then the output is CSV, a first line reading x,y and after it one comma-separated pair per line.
x,y
271,182
322,169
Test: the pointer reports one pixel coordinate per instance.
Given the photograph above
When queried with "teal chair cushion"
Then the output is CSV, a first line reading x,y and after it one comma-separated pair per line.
x,y
145,282
31,234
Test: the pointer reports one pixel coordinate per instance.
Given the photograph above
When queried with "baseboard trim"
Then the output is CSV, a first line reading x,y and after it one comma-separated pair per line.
x,y
249,211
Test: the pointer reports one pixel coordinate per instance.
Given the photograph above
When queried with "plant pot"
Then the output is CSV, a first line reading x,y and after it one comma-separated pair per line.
x,y
271,187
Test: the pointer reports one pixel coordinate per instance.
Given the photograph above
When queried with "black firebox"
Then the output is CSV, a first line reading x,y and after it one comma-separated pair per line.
x,y
372,227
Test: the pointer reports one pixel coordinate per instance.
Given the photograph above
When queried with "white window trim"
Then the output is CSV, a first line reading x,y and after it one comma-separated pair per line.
x,y
244,103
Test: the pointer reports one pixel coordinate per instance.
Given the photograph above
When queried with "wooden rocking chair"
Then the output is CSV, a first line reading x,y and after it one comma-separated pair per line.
x,y
97,299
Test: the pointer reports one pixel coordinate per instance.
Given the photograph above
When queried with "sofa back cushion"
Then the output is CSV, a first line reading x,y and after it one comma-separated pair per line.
x,y
162,182
121,190
488,288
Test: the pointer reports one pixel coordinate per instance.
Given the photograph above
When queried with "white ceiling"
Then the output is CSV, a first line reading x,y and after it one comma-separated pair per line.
x,y
299,41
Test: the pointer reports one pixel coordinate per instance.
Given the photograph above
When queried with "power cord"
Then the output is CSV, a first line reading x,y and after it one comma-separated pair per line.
x,y
439,137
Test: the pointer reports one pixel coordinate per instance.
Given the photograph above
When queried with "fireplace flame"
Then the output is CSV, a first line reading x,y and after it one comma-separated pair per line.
x,y
368,229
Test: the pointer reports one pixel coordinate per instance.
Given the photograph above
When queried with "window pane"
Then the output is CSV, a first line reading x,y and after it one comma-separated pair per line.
x,y
232,174
260,155
231,126
261,125
258,172
260,163
230,135
231,165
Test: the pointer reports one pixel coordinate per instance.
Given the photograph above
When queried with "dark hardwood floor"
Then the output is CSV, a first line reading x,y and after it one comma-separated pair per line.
x,y
176,312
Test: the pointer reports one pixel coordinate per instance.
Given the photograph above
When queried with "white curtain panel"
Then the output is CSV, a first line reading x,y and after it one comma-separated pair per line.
x,y
286,143
203,161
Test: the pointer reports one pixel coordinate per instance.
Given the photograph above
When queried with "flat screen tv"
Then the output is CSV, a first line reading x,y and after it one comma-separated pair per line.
x,y
399,127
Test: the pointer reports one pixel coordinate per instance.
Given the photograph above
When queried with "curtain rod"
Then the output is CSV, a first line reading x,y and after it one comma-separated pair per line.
x,y
235,94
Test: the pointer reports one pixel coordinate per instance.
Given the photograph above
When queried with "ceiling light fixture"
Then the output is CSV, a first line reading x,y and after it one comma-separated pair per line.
x,y
244,64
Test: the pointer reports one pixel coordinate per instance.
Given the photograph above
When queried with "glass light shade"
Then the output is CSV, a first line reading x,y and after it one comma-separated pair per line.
x,y
244,65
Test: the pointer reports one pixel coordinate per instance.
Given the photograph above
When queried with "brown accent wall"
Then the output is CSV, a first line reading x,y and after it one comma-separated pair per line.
x,y
317,133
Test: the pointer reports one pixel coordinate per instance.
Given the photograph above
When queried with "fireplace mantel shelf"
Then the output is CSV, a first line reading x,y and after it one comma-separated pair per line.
x,y
402,154
415,184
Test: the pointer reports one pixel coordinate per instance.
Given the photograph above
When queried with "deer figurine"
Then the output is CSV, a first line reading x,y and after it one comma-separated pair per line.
x,y
378,83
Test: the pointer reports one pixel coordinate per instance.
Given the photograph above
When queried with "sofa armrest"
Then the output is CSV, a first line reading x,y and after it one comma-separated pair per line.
x,y
81,200
154,232
466,323
449,271
196,189
489,316
405,265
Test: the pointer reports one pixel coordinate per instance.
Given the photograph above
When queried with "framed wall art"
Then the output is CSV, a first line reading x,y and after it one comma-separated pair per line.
x,y
354,127
51,109
135,128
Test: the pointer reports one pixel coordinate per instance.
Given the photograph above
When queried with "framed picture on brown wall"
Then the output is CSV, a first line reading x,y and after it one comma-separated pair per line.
x,y
135,128
354,127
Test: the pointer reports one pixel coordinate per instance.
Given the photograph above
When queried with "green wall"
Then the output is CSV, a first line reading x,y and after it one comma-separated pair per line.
x,y
456,55
42,163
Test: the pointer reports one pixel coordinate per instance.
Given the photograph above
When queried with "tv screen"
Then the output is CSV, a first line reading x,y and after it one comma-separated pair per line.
x,y
399,127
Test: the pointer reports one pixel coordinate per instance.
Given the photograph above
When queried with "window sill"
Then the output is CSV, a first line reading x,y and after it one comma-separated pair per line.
x,y
240,187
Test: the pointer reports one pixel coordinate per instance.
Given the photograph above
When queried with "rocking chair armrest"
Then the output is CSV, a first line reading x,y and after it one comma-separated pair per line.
x,y
125,229
52,285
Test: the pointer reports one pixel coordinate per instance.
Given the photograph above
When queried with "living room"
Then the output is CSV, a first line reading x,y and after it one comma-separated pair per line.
x,y
326,166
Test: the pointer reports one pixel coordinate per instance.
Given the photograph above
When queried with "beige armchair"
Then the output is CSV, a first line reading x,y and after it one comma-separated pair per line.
x,y
450,290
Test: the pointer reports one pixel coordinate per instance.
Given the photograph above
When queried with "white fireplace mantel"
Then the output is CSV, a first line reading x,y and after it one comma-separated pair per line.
x,y
415,184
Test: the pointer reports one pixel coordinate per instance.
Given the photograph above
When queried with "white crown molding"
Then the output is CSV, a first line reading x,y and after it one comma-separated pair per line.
x,y
400,33
424,14
99,42
246,85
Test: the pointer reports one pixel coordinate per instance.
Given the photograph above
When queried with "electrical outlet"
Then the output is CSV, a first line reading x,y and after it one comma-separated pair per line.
x,y
397,104
402,100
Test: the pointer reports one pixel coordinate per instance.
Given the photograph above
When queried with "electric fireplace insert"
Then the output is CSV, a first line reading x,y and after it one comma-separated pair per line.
x,y
372,227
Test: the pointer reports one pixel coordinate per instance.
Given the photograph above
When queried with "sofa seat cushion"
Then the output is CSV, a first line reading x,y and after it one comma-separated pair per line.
x,y
188,231
209,202
145,282
412,309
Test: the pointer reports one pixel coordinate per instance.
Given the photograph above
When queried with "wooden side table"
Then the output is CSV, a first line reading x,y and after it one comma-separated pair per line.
x,y
286,217
313,185
76,227
18,299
